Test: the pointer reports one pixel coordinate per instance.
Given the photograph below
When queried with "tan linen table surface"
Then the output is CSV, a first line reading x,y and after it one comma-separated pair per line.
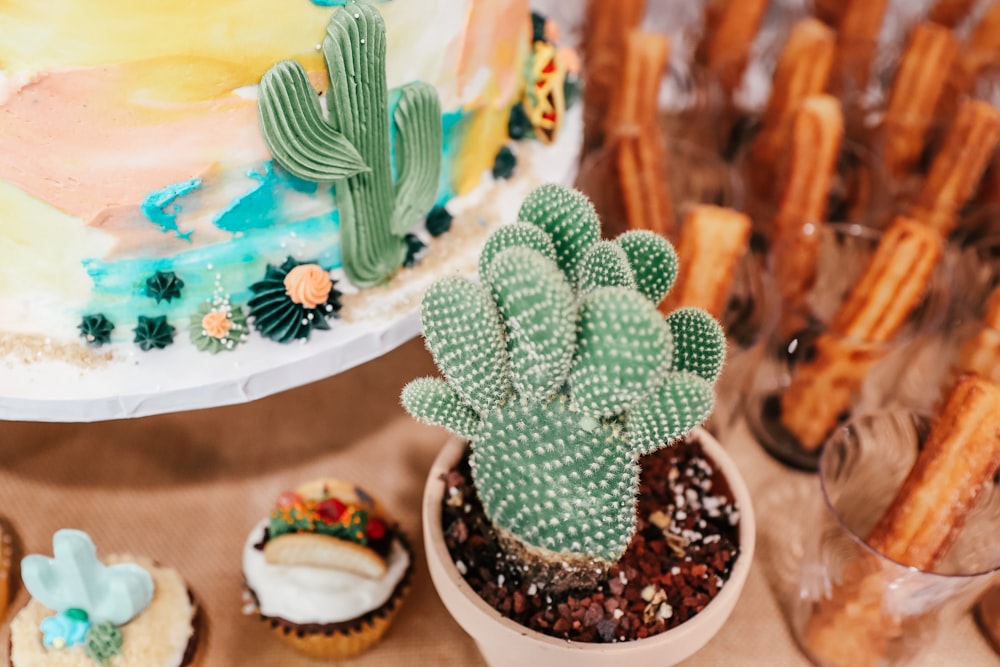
x,y
186,488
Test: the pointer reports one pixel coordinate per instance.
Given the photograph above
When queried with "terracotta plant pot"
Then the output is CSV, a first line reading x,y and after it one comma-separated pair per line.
x,y
505,642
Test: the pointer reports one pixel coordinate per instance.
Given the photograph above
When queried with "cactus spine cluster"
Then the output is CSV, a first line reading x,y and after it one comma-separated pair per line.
x,y
562,373
351,146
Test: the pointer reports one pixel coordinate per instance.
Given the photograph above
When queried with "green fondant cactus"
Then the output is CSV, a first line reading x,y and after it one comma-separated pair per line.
x,y
351,145
103,642
562,377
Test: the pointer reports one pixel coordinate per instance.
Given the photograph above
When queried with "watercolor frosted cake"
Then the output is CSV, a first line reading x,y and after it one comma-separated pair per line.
x,y
137,189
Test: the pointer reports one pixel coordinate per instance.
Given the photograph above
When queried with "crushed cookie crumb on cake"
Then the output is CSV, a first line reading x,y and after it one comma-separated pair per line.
x,y
28,349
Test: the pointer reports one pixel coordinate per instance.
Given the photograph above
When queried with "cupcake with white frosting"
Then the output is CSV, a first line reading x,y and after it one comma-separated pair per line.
x,y
327,570
119,611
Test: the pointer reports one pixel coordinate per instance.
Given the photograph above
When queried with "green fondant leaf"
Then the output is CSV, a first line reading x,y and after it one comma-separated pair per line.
x,y
295,132
418,154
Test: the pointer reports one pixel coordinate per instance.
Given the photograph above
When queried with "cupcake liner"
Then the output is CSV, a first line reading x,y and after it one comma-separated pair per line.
x,y
349,638
342,643
193,657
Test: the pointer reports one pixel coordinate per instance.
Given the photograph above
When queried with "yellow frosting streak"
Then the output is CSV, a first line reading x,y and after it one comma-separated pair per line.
x,y
248,35
42,248
489,131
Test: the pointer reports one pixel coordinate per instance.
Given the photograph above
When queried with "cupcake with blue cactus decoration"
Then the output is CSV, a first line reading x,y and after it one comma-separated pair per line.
x,y
120,611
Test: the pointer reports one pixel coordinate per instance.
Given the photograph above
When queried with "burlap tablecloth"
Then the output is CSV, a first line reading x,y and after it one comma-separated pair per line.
x,y
186,488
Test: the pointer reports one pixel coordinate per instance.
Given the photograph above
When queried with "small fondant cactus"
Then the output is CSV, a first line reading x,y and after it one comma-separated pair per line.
x,y
104,641
351,145
562,373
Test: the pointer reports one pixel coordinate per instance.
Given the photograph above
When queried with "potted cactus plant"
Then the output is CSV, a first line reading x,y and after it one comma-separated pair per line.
x,y
559,376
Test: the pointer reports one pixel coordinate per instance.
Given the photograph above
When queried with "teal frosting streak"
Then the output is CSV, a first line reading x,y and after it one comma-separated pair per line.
x,y
161,206
416,124
261,207
454,126
119,284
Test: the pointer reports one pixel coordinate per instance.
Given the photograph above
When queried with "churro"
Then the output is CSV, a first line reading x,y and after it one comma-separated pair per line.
x,y
960,456
633,135
983,45
605,30
950,12
980,354
728,44
958,167
816,133
802,70
713,240
920,80
857,42
812,161
878,306
829,11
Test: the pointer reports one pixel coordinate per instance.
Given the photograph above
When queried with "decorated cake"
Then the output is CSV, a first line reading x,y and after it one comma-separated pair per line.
x,y
87,612
190,177
327,570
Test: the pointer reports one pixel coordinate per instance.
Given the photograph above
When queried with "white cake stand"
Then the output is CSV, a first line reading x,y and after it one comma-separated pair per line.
x,y
137,384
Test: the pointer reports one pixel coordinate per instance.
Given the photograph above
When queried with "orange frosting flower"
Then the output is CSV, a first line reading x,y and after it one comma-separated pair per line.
x,y
308,285
216,324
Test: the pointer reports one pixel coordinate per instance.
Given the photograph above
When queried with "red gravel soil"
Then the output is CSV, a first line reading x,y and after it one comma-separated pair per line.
x,y
680,557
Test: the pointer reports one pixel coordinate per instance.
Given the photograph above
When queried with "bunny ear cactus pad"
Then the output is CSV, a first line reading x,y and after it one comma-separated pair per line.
x,y
538,309
569,219
623,351
605,264
653,261
463,331
682,402
351,145
562,373
699,343
515,235
438,405
557,479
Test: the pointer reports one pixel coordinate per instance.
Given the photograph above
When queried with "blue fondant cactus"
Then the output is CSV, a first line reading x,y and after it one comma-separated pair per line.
x,y
351,145
562,373
65,629
74,579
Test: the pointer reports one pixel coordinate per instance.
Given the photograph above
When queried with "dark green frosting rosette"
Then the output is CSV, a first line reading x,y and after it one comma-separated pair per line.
x,y
153,333
164,286
282,317
96,329
217,326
